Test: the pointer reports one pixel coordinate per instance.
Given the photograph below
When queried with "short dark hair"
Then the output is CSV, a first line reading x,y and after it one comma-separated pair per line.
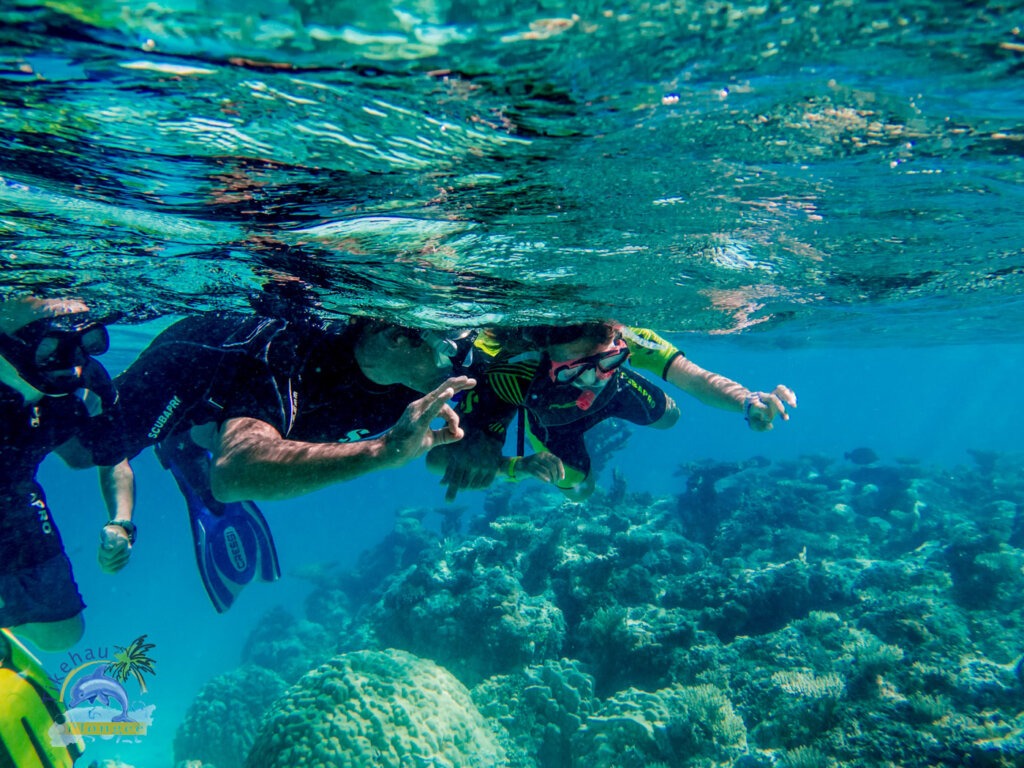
x,y
541,336
374,325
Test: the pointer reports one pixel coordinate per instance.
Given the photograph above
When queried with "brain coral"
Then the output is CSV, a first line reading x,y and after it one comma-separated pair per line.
x,y
222,722
388,709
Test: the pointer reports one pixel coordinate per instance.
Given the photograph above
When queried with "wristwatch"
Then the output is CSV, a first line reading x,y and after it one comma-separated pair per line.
x,y
127,526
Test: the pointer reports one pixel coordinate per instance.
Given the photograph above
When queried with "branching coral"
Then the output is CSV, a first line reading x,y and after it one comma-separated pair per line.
x,y
682,725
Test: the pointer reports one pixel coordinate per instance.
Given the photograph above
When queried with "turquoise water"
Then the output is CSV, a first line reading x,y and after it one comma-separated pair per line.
x,y
824,195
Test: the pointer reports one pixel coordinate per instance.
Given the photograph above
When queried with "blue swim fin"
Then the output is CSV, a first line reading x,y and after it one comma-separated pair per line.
x,y
233,543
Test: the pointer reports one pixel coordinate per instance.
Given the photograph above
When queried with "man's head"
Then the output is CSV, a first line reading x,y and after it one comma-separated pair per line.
x,y
393,354
49,343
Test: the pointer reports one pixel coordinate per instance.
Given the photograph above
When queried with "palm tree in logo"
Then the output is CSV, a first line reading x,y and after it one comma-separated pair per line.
x,y
133,660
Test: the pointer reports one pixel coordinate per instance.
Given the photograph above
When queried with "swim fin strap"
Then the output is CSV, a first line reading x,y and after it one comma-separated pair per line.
x,y
29,706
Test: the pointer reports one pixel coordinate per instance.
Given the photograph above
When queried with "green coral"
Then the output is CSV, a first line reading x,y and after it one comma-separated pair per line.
x,y
388,709
476,624
221,723
632,645
787,631
807,757
541,707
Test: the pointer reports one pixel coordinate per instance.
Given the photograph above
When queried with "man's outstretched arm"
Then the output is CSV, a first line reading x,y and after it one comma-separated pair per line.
x,y
253,461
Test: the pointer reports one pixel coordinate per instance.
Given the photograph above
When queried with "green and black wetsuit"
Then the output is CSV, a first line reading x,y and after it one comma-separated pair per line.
x,y
555,422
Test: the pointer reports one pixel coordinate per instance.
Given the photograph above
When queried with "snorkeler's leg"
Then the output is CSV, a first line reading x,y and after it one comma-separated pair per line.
x,y
53,635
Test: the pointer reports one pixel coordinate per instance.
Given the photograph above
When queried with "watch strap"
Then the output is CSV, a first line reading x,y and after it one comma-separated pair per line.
x,y
130,529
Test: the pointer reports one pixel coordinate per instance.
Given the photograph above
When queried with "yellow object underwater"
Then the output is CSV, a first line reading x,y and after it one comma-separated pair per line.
x,y
29,705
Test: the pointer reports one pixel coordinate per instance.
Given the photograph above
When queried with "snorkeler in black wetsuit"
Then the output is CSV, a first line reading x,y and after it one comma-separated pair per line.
x,y
52,392
303,380
248,407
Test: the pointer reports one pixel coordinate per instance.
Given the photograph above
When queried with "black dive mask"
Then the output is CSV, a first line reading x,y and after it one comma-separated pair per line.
x,y
51,354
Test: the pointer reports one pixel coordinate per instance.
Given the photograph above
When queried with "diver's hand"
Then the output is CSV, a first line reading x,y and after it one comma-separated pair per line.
x,y
115,549
545,466
760,408
470,464
412,436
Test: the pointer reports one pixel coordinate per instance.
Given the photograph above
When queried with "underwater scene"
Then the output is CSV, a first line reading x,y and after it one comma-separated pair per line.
x,y
800,543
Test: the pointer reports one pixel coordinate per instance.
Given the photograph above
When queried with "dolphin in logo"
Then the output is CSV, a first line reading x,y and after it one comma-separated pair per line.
x,y
98,686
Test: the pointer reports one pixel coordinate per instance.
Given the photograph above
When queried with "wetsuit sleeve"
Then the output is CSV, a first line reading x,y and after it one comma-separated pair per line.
x,y
103,437
637,400
649,352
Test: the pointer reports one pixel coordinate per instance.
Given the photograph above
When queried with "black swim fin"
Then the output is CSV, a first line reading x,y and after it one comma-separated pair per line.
x,y
233,543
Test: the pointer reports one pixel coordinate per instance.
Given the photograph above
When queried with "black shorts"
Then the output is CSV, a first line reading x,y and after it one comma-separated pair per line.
x,y
36,583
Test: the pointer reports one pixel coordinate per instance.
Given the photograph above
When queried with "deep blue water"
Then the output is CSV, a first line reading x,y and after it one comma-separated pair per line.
x,y
827,196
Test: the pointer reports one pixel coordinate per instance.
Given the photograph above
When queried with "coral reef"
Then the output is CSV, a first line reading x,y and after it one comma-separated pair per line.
x,y
287,646
477,626
221,723
680,725
807,612
382,708
541,708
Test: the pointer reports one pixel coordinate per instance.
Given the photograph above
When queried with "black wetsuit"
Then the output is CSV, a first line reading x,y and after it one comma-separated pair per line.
x,y
36,582
300,378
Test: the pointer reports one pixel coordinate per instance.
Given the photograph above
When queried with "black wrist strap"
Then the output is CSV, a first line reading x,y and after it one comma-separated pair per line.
x,y
127,526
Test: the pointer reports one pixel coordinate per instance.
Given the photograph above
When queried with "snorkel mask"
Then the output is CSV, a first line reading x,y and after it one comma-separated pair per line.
x,y
52,353
452,352
590,374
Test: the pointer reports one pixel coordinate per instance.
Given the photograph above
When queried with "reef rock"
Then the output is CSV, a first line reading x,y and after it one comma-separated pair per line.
x,y
541,707
287,646
475,620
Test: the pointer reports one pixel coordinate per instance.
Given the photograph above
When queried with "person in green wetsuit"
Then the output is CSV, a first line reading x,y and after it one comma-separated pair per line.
x,y
567,379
